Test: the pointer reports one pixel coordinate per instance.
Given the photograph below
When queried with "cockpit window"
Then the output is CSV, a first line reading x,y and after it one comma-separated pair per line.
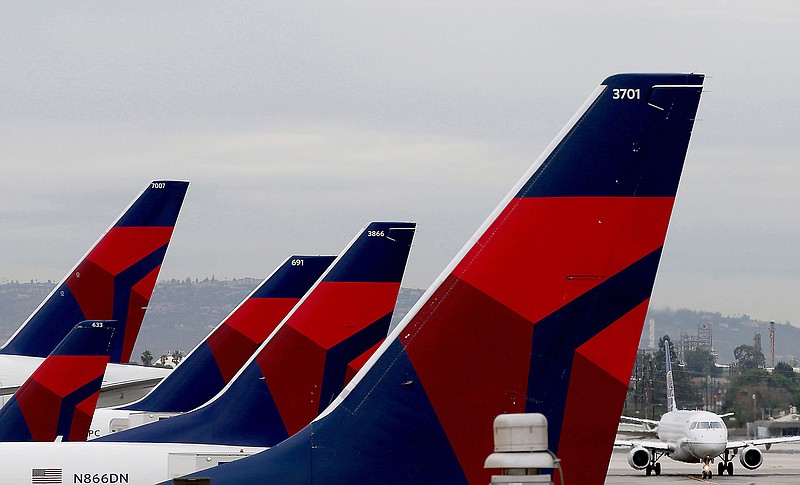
x,y
704,425
716,425
693,425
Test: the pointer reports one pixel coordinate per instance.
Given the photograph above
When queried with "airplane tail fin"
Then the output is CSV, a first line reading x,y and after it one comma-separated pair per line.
x,y
214,362
309,358
113,281
670,384
59,398
541,311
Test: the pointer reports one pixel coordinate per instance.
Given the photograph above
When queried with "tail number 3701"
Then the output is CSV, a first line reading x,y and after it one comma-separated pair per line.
x,y
626,93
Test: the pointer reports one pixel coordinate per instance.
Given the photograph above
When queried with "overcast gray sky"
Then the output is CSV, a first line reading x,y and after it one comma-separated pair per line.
x,y
297,123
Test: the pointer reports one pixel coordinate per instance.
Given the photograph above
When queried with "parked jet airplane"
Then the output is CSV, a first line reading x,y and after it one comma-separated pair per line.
x,y
214,362
114,280
327,336
540,312
58,400
694,437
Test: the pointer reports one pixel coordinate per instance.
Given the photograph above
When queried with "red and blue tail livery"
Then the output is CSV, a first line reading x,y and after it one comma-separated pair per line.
x,y
304,364
540,312
60,396
213,363
113,281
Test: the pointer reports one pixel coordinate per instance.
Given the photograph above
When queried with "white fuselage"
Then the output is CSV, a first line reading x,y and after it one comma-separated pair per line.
x,y
697,435
109,420
117,463
122,384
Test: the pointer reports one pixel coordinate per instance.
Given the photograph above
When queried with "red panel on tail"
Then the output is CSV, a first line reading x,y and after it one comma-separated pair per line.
x,y
137,242
61,382
244,330
256,318
576,231
82,418
350,307
599,382
93,288
293,366
460,384
140,298
40,407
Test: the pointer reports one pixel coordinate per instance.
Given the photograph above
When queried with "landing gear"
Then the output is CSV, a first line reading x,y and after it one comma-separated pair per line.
x,y
726,465
707,468
653,468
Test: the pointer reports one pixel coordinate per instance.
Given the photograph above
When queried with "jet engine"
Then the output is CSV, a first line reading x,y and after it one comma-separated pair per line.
x,y
750,457
639,457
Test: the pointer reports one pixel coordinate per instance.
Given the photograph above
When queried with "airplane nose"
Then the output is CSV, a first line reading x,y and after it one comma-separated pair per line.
x,y
707,448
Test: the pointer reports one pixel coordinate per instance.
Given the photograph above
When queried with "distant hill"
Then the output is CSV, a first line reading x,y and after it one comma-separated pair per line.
x,y
182,312
728,332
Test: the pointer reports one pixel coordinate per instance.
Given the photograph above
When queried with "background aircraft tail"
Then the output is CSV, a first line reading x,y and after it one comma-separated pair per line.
x,y
59,398
670,384
213,363
113,281
309,358
540,312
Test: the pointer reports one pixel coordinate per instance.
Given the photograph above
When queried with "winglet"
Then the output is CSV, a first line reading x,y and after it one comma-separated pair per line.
x,y
113,281
59,398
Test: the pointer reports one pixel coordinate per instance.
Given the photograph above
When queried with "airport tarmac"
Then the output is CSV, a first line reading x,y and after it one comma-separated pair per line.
x,y
781,466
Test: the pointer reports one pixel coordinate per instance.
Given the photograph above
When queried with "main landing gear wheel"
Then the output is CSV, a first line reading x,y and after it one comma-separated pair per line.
x,y
725,465
653,468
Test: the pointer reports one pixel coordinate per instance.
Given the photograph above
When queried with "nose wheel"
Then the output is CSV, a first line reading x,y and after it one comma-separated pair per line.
x,y
707,468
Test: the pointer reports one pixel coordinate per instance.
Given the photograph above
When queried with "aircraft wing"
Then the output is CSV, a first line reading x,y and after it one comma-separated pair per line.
x,y
656,445
734,445
639,420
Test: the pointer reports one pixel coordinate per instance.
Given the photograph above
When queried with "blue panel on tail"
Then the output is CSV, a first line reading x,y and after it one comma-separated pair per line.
x,y
572,326
622,131
416,451
158,206
389,244
245,412
198,377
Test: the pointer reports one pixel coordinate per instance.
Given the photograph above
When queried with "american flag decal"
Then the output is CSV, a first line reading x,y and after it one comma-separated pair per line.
x,y
46,475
